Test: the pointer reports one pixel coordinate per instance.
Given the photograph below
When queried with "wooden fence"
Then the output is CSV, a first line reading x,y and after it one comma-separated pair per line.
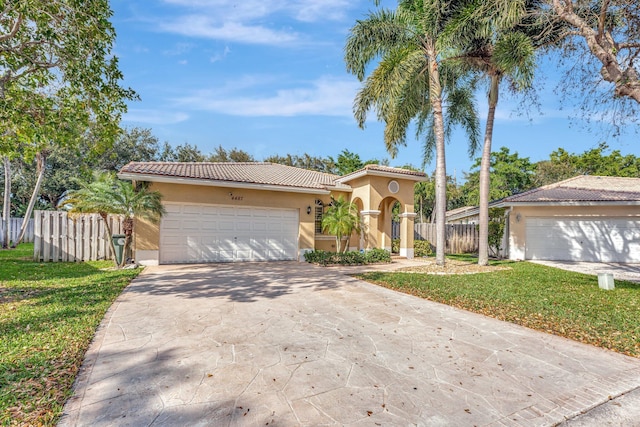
x,y
14,230
460,238
62,237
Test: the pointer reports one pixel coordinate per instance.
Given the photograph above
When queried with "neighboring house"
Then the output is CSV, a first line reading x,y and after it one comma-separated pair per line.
x,y
585,218
220,212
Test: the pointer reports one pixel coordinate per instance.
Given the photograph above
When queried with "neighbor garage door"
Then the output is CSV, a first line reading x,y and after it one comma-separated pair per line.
x,y
584,239
212,233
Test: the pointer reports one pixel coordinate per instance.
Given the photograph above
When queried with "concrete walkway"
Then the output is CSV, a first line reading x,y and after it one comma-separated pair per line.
x,y
286,344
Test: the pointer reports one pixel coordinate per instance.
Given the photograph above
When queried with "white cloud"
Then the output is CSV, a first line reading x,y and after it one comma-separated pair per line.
x,y
220,56
327,96
247,21
205,27
154,117
301,10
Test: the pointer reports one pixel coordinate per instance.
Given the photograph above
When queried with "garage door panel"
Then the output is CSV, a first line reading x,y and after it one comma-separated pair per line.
x,y
214,233
583,239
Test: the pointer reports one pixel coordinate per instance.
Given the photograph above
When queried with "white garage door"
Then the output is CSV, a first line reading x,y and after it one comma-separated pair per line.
x,y
212,233
585,239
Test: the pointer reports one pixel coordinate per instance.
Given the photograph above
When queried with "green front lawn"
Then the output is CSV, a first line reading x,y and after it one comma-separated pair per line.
x,y
48,315
538,297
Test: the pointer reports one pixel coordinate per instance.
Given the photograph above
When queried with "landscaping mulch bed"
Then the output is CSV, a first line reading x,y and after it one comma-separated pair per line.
x,y
451,267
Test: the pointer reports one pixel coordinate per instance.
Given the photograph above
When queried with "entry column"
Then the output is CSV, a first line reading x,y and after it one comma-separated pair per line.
x,y
406,234
370,228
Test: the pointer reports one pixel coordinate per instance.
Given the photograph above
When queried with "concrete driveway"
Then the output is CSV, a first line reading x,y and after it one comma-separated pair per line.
x,y
620,271
284,344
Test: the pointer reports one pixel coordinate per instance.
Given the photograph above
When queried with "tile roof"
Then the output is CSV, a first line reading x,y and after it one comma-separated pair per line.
x,y
583,188
384,169
249,173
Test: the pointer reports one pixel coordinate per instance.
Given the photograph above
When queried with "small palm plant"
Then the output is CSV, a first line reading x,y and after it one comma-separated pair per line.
x,y
107,195
341,220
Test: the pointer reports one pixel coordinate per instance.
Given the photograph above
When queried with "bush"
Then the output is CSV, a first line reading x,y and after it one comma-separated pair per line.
x,y
377,255
347,258
422,248
395,246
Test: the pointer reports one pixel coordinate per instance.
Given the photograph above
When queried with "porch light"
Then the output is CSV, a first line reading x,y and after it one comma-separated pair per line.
x,y
308,210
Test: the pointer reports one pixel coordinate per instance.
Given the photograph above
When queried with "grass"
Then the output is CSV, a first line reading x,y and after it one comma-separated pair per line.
x,y
543,298
48,315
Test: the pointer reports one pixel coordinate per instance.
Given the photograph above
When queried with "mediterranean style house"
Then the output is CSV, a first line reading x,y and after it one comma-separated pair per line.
x,y
226,212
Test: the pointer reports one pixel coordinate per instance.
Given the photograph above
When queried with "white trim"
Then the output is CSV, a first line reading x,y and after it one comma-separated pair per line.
x,y
214,183
147,257
387,248
406,252
408,215
370,212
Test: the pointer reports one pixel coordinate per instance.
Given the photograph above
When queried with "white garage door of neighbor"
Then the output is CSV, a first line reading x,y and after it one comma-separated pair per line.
x,y
213,233
585,239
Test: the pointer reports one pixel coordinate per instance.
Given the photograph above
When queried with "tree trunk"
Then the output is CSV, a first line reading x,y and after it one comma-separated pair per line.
x,y
601,45
127,227
435,96
6,206
485,176
41,160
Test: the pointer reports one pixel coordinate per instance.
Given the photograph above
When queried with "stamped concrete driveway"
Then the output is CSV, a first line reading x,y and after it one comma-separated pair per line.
x,y
284,344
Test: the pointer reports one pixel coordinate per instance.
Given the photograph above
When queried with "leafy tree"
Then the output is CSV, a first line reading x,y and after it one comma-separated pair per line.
x,y
563,165
107,195
412,82
511,174
57,78
350,162
233,155
132,145
305,161
341,219
425,197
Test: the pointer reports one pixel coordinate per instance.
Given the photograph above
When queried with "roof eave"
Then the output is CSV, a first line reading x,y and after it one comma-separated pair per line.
x,y
365,172
576,203
218,183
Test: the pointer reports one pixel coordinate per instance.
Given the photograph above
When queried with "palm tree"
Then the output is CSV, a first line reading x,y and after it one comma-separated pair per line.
x,y
107,195
412,83
341,220
499,47
497,55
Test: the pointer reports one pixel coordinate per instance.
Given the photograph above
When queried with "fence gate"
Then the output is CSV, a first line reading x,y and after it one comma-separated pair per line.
x,y
59,236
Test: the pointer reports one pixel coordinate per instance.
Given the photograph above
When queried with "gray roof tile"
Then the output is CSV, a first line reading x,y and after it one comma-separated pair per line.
x,y
583,188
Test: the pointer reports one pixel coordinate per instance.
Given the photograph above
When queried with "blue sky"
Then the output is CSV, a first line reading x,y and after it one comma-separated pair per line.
x,y
268,77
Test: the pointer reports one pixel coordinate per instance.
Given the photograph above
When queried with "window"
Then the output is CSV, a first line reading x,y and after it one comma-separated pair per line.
x,y
319,212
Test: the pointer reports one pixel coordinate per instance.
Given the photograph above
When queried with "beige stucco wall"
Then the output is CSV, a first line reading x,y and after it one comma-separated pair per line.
x,y
147,235
370,192
518,220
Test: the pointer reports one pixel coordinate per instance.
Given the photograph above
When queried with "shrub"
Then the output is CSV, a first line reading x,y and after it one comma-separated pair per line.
x,y
347,258
395,246
422,248
377,255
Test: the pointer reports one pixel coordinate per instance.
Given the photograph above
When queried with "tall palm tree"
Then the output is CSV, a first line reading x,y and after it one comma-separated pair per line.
x,y
107,195
499,47
341,220
497,55
412,83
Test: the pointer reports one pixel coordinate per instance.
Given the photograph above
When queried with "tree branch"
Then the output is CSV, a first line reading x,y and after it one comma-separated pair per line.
x,y
14,29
